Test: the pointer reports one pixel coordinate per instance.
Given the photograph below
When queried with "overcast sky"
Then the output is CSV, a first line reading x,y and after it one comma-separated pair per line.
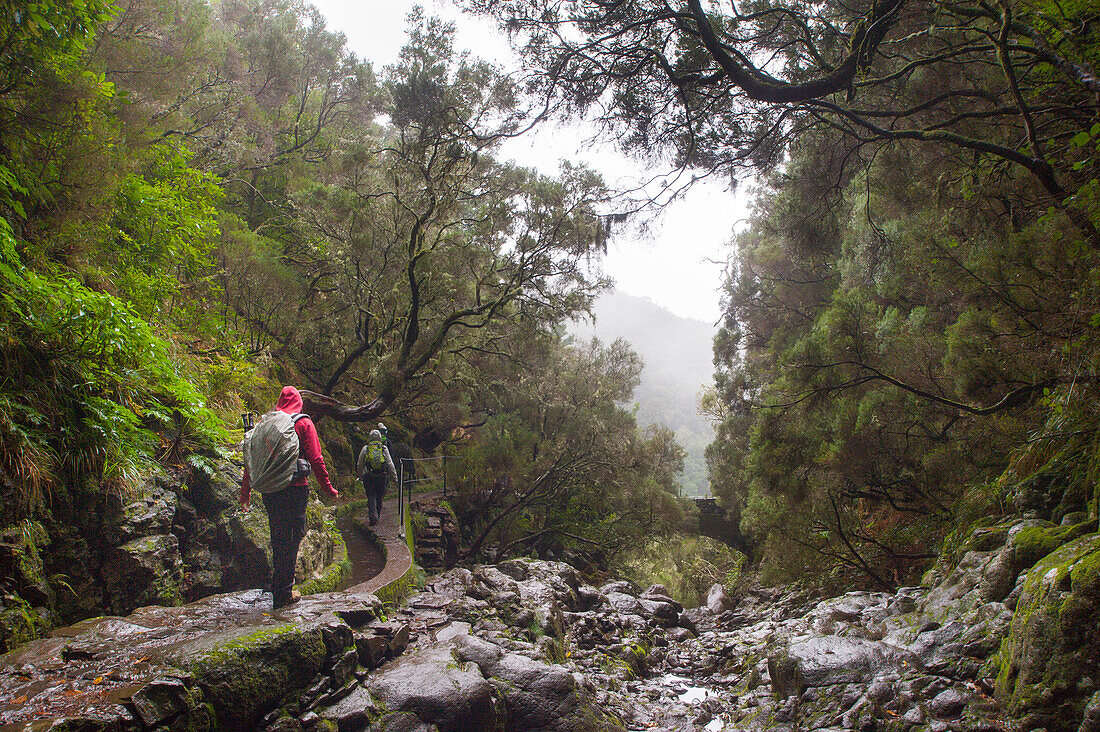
x,y
678,265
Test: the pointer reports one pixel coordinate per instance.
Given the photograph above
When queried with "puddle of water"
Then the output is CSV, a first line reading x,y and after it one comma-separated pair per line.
x,y
688,694
694,695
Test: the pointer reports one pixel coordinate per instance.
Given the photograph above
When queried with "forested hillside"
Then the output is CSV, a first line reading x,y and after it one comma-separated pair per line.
x,y
909,339
201,202
677,353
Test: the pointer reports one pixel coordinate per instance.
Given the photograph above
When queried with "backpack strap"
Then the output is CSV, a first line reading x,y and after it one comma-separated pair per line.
x,y
294,420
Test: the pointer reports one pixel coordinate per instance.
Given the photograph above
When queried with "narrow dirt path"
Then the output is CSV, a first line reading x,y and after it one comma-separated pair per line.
x,y
366,559
369,572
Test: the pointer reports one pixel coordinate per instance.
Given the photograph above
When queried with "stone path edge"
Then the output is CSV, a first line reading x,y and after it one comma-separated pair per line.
x,y
399,576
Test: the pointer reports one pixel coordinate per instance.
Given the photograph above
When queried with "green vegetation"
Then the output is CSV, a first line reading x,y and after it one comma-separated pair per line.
x,y
912,308
249,672
687,565
337,570
202,202
559,463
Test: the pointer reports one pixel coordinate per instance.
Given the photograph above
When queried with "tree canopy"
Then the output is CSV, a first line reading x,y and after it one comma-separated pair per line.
x,y
914,297
201,202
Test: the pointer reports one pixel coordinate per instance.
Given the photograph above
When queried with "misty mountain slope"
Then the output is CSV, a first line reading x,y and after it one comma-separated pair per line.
x,y
677,355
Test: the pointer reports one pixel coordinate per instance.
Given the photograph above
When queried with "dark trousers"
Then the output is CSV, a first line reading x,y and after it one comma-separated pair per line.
x,y
286,517
375,488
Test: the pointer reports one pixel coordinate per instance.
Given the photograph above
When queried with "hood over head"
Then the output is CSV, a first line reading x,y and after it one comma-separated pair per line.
x,y
375,436
290,401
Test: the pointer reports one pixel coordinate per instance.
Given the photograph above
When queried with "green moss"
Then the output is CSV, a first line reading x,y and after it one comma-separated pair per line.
x,y
1085,576
19,624
1035,542
590,718
403,586
246,675
337,570
981,506
1052,645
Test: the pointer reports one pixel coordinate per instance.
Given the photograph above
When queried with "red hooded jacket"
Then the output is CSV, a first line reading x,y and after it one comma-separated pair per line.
x,y
290,401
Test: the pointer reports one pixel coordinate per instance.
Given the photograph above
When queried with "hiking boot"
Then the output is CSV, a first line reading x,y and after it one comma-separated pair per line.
x,y
294,597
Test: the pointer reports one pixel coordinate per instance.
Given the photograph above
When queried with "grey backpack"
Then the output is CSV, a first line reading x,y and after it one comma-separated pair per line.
x,y
271,452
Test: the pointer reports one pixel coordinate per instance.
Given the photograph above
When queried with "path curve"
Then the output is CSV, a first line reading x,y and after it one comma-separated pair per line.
x,y
398,558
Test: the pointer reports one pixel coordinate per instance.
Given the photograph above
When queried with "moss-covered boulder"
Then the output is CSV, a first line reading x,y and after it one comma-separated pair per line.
x,y
992,560
244,672
1053,648
145,571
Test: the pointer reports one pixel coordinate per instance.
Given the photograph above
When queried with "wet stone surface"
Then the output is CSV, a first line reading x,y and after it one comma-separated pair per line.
x,y
140,668
529,645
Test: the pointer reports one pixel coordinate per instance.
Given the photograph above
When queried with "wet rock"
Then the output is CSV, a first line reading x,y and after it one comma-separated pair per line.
x,y
828,660
948,703
152,513
243,672
396,634
161,699
244,548
431,685
356,711
216,494
718,600
988,572
145,571
1053,643
373,649
1090,721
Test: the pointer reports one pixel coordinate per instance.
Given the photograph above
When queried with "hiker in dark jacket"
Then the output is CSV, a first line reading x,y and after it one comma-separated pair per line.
x,y
375,471
286,509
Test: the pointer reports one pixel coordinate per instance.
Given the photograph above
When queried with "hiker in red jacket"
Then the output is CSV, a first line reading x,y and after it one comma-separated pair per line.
x,y
286,509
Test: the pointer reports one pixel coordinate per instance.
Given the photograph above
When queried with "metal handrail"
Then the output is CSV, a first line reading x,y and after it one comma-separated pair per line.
x,y
403,495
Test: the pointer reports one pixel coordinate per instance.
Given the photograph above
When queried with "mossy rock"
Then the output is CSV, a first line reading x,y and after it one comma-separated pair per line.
x,y
337,570
19,623
1035,542
1053,645
243,673
1059,487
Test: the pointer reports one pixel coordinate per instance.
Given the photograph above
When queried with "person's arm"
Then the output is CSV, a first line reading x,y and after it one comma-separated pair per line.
x,y
361,462
311,448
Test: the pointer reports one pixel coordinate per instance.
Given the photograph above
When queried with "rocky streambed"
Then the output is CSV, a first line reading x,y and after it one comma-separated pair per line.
x,y
1004,638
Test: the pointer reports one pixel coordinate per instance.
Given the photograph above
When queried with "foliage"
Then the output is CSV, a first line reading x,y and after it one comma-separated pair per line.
x,y
200,200
687,565
412,245
559,463
88,383
156,251
859,398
